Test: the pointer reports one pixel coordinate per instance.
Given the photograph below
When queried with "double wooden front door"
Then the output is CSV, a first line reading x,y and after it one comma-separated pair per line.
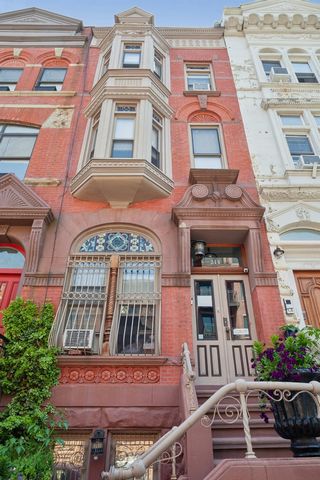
x,y
308,284
223,328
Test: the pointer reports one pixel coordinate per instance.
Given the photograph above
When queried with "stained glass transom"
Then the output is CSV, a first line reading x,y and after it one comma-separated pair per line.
x,y
117,242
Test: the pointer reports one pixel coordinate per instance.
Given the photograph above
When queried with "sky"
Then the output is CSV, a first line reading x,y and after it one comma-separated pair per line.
x,y
183,13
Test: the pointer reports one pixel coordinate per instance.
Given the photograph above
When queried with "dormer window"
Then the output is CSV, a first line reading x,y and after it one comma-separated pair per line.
x,y
131,55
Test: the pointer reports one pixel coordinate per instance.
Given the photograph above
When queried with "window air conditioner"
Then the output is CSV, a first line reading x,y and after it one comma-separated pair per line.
x,y
200,86
279,74
77,338
307,161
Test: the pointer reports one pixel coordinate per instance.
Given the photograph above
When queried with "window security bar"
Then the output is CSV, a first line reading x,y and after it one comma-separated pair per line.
x,y
79,321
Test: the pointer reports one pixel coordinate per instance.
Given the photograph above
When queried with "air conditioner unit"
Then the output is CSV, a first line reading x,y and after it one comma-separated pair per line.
x,y
307,161
77,338
200,86
279,74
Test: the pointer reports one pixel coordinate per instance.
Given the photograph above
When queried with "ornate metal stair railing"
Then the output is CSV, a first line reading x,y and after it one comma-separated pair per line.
x,y
237,410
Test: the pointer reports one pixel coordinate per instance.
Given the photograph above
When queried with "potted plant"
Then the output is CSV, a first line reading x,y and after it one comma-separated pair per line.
x,y
292,356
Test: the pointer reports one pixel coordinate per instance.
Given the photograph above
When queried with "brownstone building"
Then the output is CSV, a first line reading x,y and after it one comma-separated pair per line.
x,y
127,199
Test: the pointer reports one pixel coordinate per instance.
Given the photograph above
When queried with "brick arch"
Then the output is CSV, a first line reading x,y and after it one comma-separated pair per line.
x,y
203,117
49,59
8,59
9,118
217,112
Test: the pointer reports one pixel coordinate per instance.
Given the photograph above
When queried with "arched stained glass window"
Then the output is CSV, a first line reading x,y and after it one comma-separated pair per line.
x,y
117,242
301,234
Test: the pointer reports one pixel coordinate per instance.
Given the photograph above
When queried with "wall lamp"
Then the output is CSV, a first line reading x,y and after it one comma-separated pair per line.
x,y
97,443
278,252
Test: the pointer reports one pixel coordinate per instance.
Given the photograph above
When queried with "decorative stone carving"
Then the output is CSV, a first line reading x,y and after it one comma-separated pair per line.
x,y
302,213
203,101
110,374
272,226
60,118
233,192
290,194
36,236
199,192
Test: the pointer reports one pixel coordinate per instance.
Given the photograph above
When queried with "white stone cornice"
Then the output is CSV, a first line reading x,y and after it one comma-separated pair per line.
x,y
289,193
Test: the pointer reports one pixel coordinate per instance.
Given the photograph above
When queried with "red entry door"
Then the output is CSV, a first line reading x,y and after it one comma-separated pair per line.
x,y
8,289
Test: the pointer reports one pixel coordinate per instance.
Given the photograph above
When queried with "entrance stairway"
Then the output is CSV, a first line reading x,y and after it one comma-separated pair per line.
x,y
228,440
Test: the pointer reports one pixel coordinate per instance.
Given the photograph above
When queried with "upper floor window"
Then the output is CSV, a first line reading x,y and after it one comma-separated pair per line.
x,y
317,119
156,139
206,147
9,78
80,321
94,133
291,120
131,55
269,64
198,77
158,64
123,136
70,458
106,61
51,79
16,145
303,72
300,149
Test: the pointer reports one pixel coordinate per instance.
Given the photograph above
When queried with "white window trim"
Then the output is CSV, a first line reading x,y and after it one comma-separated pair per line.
x,y
224,163
200,64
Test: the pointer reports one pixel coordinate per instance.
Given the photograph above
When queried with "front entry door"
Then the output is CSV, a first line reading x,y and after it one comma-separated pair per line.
x,y
223,328
308,283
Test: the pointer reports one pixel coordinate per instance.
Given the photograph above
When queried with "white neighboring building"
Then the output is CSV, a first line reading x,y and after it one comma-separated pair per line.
x,y
274,49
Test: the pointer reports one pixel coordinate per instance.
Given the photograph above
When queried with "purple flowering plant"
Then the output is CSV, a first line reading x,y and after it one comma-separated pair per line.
x,y
288,353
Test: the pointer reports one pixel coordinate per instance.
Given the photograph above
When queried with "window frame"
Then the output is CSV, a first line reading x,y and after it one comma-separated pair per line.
x,y
298,76
10,86
271,60
136,49
49,86
19,159
196,69
298,154
158,59
157,125
126,113
222,156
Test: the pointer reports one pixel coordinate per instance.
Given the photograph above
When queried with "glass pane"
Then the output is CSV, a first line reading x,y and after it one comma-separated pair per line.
x,y
238,313
90,275
291,120
8,75
122,149
206,318
222,257
302,67
53,75
16,147
298,145
18,167
317,119
124,128
136,328
205,140
19,129
138,277
155,138
268,64
11,258
199,82
131,59
207,162
301,235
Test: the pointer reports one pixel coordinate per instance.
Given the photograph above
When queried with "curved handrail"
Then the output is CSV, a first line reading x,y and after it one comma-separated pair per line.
x,y
138,468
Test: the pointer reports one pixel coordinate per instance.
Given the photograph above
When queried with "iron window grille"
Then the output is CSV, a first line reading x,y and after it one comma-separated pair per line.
x,y
70,459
